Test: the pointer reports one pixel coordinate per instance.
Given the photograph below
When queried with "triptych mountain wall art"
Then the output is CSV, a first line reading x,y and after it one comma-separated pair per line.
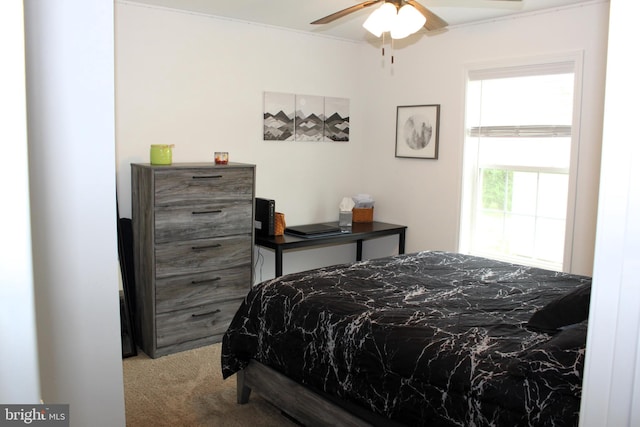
x,y
290,117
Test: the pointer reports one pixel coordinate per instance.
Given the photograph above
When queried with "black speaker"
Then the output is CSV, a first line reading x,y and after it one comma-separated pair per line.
x,y
265,216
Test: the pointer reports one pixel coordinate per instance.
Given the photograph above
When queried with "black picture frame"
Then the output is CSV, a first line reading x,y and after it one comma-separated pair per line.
x,y
417,131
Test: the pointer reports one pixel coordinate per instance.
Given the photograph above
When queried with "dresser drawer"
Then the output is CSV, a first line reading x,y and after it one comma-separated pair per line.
x,y
203,221
202,255
201,186
180,292
194,323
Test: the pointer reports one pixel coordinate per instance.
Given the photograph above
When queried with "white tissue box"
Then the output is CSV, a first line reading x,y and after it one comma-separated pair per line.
x,y
345,219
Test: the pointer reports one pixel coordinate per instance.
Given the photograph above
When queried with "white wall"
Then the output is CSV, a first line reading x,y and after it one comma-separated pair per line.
x,y
19,381
197,81
612,372
70,101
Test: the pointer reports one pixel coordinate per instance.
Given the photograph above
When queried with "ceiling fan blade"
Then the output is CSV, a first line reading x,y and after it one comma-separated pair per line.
x,y
434,22
344,12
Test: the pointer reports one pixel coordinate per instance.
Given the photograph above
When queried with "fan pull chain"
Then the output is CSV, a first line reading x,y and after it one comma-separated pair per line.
x,y
392,58
392,50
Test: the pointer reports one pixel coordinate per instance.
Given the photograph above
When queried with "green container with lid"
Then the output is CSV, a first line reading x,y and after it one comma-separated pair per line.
x,y
161,154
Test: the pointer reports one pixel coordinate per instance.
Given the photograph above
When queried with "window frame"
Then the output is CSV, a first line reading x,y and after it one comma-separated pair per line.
x,y
566,62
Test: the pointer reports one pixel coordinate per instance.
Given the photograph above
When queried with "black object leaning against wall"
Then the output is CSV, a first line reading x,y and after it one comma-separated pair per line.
x,y
127,296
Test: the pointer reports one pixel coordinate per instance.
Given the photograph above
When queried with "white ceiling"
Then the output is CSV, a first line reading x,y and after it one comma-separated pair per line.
x,y
297,14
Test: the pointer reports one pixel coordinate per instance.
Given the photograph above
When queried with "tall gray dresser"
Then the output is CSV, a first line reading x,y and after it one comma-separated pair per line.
x,y
193,251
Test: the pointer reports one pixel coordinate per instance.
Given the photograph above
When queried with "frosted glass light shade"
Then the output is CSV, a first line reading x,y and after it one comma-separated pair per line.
x,y
381,20
407,22
400,23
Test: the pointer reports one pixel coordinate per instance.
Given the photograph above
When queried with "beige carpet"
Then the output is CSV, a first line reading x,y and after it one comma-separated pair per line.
x,y
186,389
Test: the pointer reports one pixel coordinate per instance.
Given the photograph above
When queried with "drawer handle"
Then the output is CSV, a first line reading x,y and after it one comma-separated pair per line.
x,y
216,211
201,248
208,313
207,177
198,282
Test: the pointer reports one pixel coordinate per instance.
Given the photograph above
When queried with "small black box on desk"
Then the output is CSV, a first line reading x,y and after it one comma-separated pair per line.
x,y
265,216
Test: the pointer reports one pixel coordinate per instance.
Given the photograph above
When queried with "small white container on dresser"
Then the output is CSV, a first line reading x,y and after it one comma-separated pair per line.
x,y
193,251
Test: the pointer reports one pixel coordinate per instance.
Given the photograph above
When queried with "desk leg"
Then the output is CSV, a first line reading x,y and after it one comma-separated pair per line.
x,y
359,250
278,262
401,240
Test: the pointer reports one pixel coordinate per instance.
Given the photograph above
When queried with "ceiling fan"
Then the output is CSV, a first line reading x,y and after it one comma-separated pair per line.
x,y
424,17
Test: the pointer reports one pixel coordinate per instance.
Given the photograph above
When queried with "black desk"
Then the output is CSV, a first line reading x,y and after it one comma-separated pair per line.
x,y
359,232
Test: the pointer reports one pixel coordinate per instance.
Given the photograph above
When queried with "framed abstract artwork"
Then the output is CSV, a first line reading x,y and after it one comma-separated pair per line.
x,y
336,119
417,131
311,118
279,115
309,123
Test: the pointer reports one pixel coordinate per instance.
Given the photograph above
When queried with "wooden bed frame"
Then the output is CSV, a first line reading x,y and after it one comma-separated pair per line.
x,y
304,405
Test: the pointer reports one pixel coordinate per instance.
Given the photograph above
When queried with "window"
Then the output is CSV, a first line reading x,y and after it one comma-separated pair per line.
x,y
518,154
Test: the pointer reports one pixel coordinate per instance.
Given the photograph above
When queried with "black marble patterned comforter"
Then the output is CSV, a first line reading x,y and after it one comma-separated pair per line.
x,y
431,338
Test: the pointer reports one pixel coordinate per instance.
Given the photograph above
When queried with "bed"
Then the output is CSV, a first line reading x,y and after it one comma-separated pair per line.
x,y
430,338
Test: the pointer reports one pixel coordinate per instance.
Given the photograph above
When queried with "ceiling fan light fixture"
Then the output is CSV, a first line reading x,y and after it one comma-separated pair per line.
x,y
373,24
399,33
381,20
401,23
410,19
